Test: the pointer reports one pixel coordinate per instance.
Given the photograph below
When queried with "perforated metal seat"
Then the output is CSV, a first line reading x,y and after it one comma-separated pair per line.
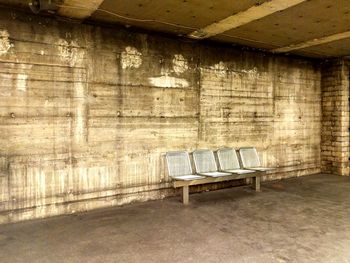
x,y
228,161
205,164
250,159
179,166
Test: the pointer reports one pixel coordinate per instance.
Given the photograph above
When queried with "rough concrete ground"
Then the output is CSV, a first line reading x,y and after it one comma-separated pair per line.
x,y
297,220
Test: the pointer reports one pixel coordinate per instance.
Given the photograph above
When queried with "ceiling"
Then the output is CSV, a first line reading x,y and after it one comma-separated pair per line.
x,y
306,27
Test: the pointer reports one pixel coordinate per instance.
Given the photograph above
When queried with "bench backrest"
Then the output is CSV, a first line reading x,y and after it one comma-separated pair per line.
x,y
228,159
249,157
178,163
204,161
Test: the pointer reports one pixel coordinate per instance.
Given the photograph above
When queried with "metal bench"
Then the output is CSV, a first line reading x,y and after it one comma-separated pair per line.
x,y
250,159
204,161
179,168
228,161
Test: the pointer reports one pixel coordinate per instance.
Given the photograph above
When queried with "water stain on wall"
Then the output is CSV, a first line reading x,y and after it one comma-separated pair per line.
x,y
21,82
180,64
131,58
220,69
69,51
5,44
252,73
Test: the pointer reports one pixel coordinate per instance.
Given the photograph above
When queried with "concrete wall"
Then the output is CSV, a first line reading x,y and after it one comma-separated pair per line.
x,y
87,113
335,118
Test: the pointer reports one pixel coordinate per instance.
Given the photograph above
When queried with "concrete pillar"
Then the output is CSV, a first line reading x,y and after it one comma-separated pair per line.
x,y
335,118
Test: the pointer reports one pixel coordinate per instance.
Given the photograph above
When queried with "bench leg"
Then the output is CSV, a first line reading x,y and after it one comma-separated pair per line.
x,y
185,194
256,183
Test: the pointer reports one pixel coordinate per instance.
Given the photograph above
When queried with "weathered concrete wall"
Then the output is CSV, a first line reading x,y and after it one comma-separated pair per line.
x,y
87,113
335,118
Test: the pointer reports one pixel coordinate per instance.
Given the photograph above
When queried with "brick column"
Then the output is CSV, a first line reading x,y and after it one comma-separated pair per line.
x,y
335,118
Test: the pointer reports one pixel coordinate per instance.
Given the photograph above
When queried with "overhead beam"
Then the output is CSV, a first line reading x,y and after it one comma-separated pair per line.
x,y
254,13
79,9
313,42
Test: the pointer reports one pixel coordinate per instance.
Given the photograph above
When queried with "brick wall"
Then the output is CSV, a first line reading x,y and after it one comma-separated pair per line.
x,y
87,113
335,118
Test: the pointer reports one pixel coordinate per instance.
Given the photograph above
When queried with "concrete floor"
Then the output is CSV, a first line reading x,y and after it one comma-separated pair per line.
x,y
297,220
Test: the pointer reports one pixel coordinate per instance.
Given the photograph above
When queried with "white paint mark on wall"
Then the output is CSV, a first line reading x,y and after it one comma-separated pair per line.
x,y
271,159
79,123
252,73
180,64
5,82
167,81
79,91
21,82
220,69
131,58
79,112
69,52
5,44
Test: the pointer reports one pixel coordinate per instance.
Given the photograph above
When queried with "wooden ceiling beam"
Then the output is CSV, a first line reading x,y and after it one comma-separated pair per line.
x,y
79,9
313,42
253,13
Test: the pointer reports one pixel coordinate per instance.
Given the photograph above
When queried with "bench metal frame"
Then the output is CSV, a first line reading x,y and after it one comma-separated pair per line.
x,y
186,184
